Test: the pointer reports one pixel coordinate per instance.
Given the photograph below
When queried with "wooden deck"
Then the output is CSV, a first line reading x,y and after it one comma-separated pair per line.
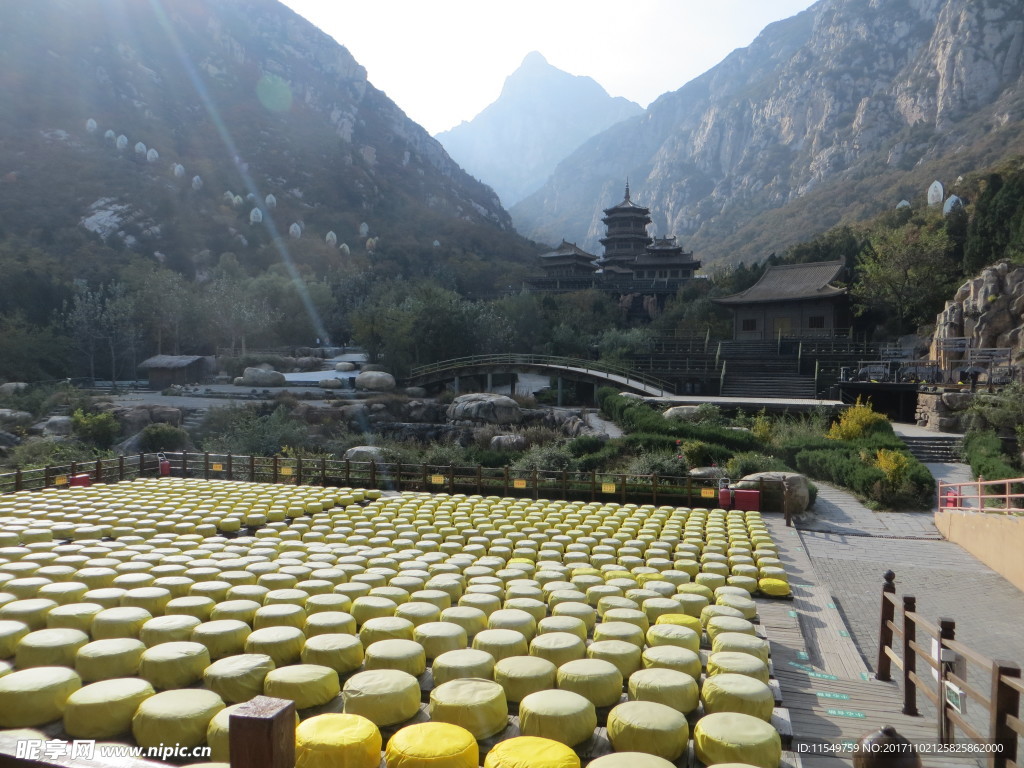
x,y
829,691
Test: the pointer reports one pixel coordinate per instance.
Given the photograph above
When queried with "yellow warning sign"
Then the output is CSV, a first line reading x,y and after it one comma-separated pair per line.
x,y
518,483
437,479
607,487
707,493
60,480
217,467
287,471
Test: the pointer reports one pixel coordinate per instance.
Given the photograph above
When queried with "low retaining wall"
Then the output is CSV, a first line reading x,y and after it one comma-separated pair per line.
x,y
997,540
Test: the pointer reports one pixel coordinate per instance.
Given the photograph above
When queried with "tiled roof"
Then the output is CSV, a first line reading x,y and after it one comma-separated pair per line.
x,y
169,361
791,282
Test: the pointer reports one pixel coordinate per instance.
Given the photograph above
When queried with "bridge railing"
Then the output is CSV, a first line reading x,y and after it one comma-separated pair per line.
x,y
580,365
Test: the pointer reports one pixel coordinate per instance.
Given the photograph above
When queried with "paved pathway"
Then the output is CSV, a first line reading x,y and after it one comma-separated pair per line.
x,y
840,551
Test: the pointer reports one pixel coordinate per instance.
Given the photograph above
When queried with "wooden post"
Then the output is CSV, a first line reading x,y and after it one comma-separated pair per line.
x,y
654,489
323,471
373,474
536,487
909,657
348,472
184,463
593,485
624,488
120,468
229,467
947,631
262,734
252,469
298,470
17,479
274,470
884,665
47,475
398,477
1004,702
565,484
206,465
505,475
479,479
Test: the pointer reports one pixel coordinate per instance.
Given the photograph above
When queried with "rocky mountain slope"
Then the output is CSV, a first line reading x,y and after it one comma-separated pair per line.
x,y
541,116
832,115
180,131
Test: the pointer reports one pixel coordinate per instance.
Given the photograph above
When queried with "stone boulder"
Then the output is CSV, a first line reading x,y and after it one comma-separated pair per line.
x,y
308,363
7,440
12,388
365,453
795,496
58,426
329,383
485,407
165,414
682,412
12,418
417,392
508,443
259,377
344,366
375,381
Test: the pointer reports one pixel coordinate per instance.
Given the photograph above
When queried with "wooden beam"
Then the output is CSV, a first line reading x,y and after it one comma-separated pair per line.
x,y
262,734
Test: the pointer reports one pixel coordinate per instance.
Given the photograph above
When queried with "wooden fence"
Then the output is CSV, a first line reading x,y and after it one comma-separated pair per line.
x,y
484,481
905,637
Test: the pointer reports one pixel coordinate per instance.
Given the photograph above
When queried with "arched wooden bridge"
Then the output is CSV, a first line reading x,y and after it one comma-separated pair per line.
x,y
574,369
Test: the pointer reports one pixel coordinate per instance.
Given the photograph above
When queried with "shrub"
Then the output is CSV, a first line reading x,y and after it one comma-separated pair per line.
x,y
701,454
859,421
661,464
743,464
585,444
545,458
599,459
984,452
99,429
251,432
163,437
32,454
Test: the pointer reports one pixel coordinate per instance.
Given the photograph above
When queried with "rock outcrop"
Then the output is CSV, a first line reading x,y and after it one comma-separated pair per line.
x,y
260,377
486,408
988,310
375,381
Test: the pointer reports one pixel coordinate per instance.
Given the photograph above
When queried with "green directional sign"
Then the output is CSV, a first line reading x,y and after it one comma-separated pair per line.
x,y
822,676
843,633
804,667
846,713
802,655
831,695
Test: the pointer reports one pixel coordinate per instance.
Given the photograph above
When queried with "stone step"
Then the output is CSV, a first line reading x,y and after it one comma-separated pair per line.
x,y
935,449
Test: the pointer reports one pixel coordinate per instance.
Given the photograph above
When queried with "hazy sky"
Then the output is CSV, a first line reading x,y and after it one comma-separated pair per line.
x,y
443,61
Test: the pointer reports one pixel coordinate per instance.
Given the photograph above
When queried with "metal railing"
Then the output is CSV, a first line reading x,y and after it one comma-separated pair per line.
x,y
998,691
556,363
981,495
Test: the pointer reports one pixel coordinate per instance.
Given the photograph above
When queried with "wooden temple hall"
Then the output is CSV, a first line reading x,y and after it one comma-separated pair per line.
x,y
633,262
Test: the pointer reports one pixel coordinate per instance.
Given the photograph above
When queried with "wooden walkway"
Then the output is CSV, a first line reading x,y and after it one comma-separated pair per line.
x,y
829,691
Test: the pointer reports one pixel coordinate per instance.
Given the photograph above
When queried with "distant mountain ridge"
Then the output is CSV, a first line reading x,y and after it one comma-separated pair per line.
x,y
834,114
179,131
542,114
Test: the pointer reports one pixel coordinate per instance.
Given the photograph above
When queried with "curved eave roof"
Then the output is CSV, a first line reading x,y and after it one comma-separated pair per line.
x,y
792,282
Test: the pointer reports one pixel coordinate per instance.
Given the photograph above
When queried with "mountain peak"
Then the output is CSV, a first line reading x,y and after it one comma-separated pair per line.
x,y
534,60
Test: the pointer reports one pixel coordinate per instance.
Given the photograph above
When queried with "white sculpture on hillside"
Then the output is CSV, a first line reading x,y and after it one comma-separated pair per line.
x,y
197,183
122,142
255,216
271,201
295,230
140,148
152,156
90,125
332,239
935,193
178,170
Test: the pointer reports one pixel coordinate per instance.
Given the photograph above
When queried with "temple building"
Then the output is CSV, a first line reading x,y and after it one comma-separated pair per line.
x,y
633,263
791,300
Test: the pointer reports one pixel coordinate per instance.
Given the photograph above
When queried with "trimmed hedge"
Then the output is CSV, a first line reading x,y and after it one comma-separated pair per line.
x,y
984,452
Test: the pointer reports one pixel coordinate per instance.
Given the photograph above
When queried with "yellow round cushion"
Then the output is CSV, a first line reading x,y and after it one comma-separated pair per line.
x,y
382,696
738,663
342,653
73,616
104,710
732,737
168,629
630,760
681,620
513,618
673,657
330,623
773,587
646,726
531,752
622,631
625,656
174,665
501,643
522,675
472,620
475,704
730,692
109,659
558,647
560,715
238,678
406,655
665,686
33,697
222,637
337,741
598,680
385,628
432,745
175,717
282,644
10,633
119,622
31,612
439,637
744,605
308,685
719,624
465,663
740,643
49,648
673,634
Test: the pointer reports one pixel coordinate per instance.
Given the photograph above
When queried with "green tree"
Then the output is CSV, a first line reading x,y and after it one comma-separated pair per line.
x,y
904,274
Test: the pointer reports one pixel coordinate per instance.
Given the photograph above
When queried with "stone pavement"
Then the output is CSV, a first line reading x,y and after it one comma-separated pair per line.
x,y
849,548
